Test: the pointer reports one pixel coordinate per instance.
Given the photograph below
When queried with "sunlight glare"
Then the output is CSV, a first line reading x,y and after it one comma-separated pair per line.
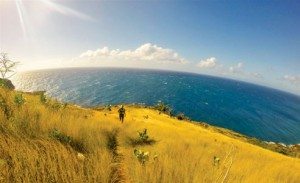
x,y
66,10
20,8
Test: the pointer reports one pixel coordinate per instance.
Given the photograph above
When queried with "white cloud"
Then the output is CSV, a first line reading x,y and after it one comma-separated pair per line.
x,y
236,68
146,52
209,63
97,53
239,70
257,75
292,79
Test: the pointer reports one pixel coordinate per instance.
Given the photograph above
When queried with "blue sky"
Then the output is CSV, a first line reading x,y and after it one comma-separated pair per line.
x,y
255,41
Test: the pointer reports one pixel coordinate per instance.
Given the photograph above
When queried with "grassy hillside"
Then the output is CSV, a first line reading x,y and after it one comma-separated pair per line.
x,y
45,141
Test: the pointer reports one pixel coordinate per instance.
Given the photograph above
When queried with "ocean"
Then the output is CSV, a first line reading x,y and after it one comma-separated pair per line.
x,y
253,110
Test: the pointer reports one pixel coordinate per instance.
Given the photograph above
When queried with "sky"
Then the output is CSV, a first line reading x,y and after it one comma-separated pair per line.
x,y
253,41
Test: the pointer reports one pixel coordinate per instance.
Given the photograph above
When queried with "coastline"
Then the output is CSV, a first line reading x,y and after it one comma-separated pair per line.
x,y
292,150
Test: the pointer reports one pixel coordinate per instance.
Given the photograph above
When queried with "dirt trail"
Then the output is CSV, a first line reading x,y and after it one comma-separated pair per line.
x,y
118,173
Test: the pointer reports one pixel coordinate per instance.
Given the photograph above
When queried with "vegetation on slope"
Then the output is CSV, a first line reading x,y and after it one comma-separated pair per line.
x,y
42,140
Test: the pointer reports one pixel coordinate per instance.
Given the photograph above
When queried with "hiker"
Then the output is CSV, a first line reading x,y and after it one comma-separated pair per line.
x,y
121,113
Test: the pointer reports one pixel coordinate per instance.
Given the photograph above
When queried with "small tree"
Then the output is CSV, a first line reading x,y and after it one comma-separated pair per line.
x,y
7,67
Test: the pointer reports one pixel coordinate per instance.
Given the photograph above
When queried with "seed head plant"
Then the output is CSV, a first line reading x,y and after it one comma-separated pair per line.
x,y
142,156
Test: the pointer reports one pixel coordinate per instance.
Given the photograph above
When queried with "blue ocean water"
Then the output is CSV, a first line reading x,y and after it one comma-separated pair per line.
x,y
253,110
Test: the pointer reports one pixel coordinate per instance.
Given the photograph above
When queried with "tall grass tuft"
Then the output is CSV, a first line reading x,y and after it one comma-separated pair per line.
x,y
112,141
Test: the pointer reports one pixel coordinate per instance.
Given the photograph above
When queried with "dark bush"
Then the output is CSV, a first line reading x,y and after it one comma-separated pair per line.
x,y
43,98
142,139
56,106
6,83
181,116
161,107
112,141
143,136
77,145
58,135
19,100
5,107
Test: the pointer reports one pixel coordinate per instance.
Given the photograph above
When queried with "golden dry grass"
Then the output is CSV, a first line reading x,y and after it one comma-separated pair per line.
x,y
185,152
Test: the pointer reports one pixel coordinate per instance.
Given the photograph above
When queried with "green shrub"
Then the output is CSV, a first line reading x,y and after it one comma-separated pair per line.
x,y
112,141
19,100
142,156
108,107
58,135
161,107
142,139
5,107
77,145
56,106
143,136
181,116
64,105
43,98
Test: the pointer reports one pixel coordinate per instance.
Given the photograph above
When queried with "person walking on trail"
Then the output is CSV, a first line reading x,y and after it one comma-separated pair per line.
x,y
121,113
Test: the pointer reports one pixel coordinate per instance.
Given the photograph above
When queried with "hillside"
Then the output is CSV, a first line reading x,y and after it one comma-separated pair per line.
x,y
43,140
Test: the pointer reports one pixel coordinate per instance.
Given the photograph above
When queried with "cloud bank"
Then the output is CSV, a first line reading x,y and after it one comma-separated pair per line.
x,y
150,55
257,75
147,52
208,63
293,79
236,68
